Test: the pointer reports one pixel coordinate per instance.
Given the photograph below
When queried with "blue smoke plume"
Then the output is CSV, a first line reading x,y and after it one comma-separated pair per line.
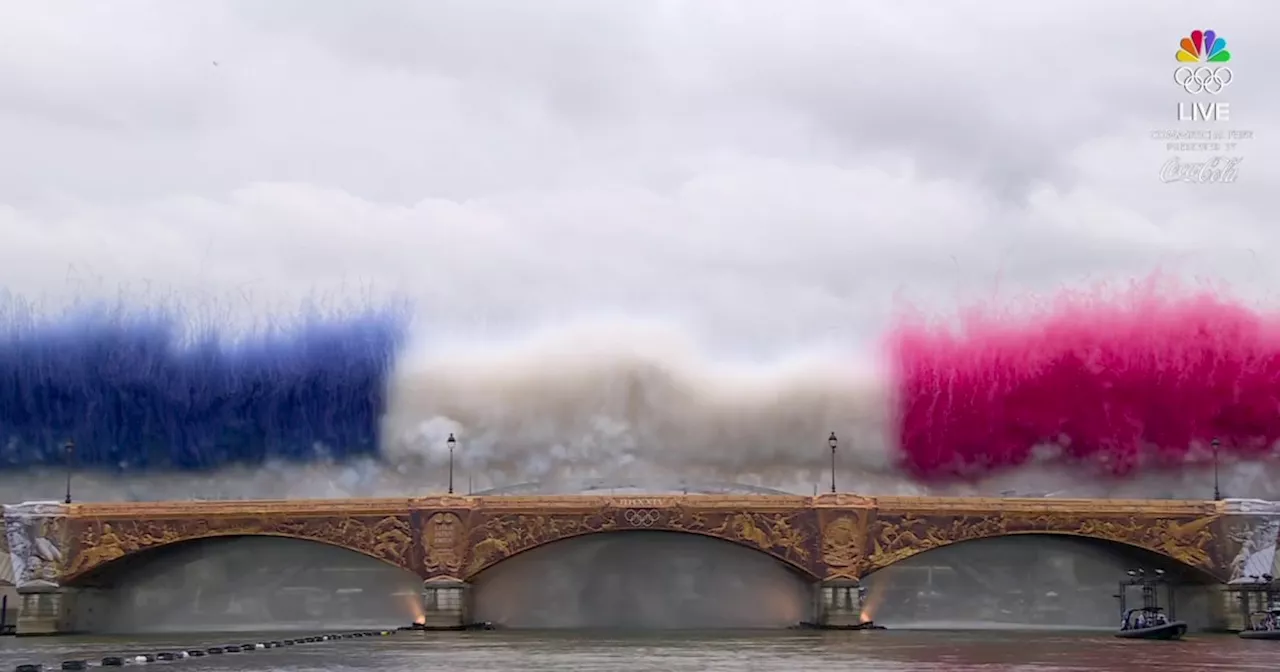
x,y
146,390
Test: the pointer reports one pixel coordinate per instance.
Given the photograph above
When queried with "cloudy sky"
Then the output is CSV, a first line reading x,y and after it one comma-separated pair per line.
x,y
766,173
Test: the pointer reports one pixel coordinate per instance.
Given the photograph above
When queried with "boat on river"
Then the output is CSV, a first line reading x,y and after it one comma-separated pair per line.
x,y
481,625
1263,625
864,625
1150,623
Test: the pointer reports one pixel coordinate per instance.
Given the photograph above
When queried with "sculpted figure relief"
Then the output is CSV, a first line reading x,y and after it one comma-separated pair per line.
x,y
776,533
442,537
97,545
1188,542
688,520
1255,544
388,539
898,537
842,541
501,536
33,549
102,541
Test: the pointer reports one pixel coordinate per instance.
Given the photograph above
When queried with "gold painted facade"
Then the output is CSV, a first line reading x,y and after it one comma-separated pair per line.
x,y
827,537
779,528
102,533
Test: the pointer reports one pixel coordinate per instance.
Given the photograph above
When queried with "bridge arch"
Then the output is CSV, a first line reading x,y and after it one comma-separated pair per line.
x,y
642,578
786,533
1194,563
104,565
98,543
234,581
1029,579
483,560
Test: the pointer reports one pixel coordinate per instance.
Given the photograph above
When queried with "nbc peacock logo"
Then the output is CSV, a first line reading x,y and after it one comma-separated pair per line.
x,y
1203,50
1203,46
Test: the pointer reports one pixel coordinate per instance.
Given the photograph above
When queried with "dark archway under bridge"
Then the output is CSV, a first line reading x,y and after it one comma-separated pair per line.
x,y
1016,581
244,582
643,579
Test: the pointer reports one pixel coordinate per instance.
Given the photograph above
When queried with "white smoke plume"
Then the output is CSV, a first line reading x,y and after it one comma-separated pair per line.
x,y
635,402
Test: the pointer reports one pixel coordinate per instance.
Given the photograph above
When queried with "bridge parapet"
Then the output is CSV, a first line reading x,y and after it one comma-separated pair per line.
x,y
1251,506
1140,507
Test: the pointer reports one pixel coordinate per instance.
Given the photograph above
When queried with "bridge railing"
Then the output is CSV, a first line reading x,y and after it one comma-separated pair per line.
x,y
942,505
237,507
1048,505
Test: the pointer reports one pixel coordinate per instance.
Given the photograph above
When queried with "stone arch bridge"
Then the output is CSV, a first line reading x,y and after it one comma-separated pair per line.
x,y
832,540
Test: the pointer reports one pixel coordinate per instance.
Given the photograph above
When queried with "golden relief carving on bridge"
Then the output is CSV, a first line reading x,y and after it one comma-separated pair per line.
x,y
787,535
830,536
96,542
843,544
896,537
444,536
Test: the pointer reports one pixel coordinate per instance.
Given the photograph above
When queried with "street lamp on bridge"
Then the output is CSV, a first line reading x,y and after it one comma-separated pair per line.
x,y
1217,493
69,452
833,442
452,443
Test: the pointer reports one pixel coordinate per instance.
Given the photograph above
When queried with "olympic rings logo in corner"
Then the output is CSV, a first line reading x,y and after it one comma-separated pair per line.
x,y
1203,79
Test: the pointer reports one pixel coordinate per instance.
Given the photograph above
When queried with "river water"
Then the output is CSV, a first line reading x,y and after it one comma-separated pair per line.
x,y
888,651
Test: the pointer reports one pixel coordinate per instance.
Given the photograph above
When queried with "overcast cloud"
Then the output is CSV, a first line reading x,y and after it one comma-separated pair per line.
x,y
765,173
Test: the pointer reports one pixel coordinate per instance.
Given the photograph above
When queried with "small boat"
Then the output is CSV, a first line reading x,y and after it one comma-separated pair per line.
x,y
422,627
1263,625
864,625
1150,623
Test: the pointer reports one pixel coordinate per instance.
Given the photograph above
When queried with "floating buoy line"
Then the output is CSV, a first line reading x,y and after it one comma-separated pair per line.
x,y
171,656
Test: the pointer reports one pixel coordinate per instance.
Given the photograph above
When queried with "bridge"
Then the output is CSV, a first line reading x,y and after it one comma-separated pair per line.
x,y
833,541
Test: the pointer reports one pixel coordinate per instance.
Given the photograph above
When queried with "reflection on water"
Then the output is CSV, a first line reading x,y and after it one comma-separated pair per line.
x,y
891,651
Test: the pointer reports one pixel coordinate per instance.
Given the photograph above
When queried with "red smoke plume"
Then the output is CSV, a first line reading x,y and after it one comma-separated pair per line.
x,y
1140,379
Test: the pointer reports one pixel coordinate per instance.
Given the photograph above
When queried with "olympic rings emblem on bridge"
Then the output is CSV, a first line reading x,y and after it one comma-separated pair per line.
x,y
641,517
1203,79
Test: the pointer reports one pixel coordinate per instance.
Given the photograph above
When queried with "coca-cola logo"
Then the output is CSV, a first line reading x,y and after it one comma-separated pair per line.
x,y
1215,170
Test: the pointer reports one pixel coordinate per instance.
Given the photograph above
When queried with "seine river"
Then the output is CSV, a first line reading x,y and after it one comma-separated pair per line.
x,y
917,651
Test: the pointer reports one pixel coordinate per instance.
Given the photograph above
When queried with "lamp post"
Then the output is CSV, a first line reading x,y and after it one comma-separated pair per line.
x,y
833,442
452,443
1217,493
69,451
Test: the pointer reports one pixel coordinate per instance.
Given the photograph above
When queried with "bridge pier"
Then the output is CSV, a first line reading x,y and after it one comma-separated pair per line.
x,y
44,610
1227,610
445,604
840,603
